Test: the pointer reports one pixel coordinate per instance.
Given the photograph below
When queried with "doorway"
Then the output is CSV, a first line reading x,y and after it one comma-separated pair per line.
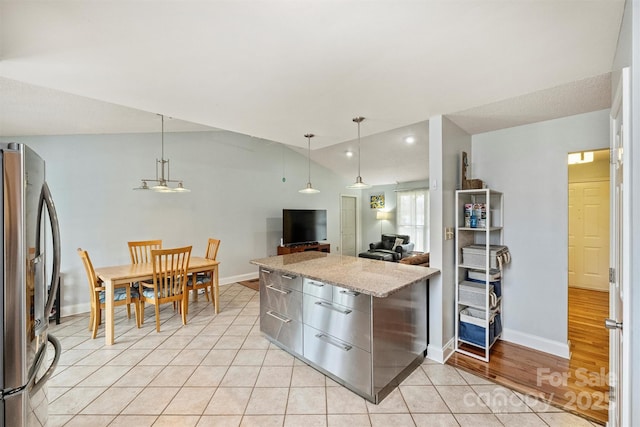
x,y
348,225
589,220
588,272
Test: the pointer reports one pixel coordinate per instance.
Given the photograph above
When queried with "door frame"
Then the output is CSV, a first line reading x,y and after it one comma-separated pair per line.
x,y
606,203
620,262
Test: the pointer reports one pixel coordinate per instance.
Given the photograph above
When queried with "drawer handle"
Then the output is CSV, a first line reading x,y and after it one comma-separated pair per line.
x,y
278,290
350,293
279,317
265,271
286,276
328,340
332,307
316,284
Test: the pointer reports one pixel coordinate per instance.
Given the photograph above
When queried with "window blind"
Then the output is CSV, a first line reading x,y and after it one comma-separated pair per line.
x,y
412,217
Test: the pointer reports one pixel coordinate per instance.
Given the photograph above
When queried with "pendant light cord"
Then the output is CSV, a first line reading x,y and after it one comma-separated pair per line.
x,y
162,138
359,147
358,120
309,156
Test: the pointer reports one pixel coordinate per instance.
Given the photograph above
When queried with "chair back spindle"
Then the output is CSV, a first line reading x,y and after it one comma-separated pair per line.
x,y
140,251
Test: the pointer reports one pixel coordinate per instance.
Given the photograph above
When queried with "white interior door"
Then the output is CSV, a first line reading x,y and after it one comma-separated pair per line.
x,y
589,235
348,225
619,351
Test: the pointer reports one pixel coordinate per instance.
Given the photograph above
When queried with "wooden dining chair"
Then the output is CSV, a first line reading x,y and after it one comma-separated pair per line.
x,y
169,282
207,280
123,295
140,251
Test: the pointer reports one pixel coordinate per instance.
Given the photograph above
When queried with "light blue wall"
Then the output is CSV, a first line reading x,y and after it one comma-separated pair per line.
x,y
529,165
372,228
237,196
446,143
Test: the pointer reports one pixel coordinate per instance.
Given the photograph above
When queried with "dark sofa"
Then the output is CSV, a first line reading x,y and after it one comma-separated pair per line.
x,y
385,250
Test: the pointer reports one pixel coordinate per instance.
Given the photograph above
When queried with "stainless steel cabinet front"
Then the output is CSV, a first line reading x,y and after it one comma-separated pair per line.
x,y
286,331
280,279
352,299
345,323
345,361
282,300
317,288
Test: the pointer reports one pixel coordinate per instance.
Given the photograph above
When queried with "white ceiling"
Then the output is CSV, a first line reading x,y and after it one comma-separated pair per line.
x,y
31,110
278,69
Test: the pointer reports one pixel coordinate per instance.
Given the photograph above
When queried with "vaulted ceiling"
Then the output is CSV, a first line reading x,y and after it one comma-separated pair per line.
x,y
278,69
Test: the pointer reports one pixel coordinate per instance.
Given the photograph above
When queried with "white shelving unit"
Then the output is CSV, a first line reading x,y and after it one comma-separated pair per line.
x,y
478,301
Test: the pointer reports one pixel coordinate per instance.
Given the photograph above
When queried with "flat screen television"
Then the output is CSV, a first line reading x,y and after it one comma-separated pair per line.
x,y
303,225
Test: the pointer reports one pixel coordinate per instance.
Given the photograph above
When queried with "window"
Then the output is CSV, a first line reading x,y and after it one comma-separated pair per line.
x,y
412,217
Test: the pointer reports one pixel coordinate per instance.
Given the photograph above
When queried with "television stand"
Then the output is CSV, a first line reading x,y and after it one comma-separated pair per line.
x,y
303,247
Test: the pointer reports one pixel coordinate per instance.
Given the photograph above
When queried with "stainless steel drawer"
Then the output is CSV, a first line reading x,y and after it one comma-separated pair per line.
x,y
280,279
317,288
345,361
342,322
281,328
282,300
352,299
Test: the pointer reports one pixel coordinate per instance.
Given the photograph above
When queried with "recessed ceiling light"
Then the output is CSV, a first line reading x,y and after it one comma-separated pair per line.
x,y
349,153
410,140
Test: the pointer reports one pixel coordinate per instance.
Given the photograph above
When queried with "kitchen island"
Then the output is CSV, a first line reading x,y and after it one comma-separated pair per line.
x,y
359,321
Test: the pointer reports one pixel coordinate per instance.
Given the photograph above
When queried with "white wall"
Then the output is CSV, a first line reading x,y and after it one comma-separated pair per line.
x,y
237,196
371,227
529,165
446,143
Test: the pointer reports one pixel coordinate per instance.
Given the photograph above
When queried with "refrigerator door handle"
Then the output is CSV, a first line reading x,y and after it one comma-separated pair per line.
x,y
46,199
54,363
33,372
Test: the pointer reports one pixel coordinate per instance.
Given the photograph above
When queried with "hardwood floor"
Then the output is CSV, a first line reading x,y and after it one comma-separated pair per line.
x,y
578,385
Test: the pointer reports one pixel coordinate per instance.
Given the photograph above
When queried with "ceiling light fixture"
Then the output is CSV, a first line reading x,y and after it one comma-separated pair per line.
x,y
309,189
579,158
161,178
348,153
410,140
358,185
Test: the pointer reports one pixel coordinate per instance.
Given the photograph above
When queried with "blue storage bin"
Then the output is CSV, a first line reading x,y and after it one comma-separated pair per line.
x,y
497,325
479,276
471,329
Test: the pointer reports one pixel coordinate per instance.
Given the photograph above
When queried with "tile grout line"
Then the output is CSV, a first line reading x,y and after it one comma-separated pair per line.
x,y
240,306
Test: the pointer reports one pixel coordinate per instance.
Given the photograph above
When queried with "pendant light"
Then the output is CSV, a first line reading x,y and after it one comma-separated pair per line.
x,y
162,178
309,189
358,185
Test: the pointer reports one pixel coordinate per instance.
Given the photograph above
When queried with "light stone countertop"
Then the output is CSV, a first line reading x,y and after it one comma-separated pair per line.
x,y
377,278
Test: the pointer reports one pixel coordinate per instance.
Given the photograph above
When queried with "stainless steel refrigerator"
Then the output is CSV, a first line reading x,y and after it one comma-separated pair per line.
x,y
30,270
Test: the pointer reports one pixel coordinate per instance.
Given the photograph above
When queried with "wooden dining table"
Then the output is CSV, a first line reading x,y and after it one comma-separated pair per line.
x,y
124,274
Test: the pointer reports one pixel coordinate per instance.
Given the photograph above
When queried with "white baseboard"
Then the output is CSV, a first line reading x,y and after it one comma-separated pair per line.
x,y
537,343
238,278
70,310
449,348
440,354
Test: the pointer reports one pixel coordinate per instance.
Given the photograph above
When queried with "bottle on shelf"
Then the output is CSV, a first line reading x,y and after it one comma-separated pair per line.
x,y
473,223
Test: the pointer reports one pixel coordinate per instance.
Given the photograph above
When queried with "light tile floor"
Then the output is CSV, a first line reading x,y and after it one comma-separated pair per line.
x,y
219,371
